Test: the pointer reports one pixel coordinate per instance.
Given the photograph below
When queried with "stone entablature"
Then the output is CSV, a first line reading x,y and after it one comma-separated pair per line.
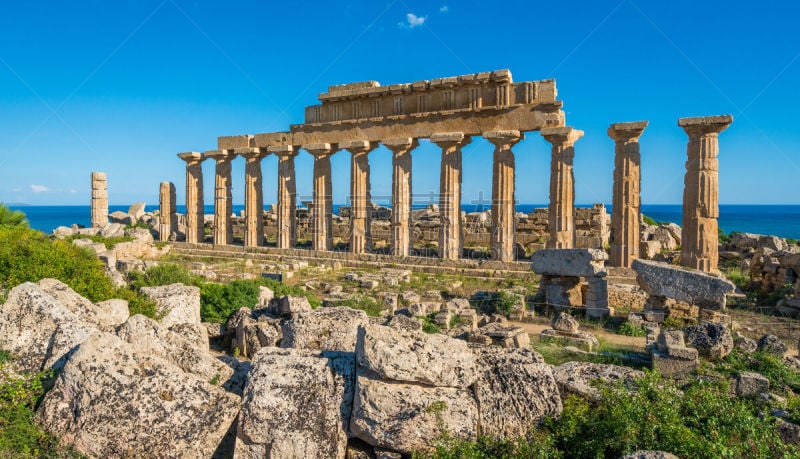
x,y
473,104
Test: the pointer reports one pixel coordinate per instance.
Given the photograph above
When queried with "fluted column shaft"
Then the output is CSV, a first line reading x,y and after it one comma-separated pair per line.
x,y
168,220
223,198
253,196
287,196
360,196
562,186
699,235
626,208
503,200
402,238
322,207
451,238
195,231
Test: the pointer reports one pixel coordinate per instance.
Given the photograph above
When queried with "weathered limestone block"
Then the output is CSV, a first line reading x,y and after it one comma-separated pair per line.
x,y
771,344
597,297
99,208
581,340
410,417
197,334
105,316
332,329
179,303
749,384
415,357
671,356
712,340
693,287
579,378
569,262
501,335
515,390
562,291
114,400
30,318
288,305
403,322
150,337
296,403
565,323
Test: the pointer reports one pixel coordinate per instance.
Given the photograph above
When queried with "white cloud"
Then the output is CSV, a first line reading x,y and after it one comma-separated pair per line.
x,y
444,9
16,190
39,189
414,20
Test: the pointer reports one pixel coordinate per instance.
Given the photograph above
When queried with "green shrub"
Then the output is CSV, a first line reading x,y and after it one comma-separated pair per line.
x,y
649,220
164,274
365,303
219,301
10,217
740,278
281,289
19,435
428,324
629,329
780,375
142,225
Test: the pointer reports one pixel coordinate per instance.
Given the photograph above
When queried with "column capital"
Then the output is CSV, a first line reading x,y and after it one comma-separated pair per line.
x,y
283,150
703,125
251,154
566,136
505,139
359,146
221,155
450,139
321,149
627,132
401,143
192,157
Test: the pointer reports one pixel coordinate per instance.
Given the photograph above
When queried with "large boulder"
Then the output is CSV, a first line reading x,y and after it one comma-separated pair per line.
x,y
415,356
177,302
681,284
106,316
28,320
648,454
569,262
771,344
712,340
296,403
515,389
332,329
410,417
564,322
581,378
113,399
149,336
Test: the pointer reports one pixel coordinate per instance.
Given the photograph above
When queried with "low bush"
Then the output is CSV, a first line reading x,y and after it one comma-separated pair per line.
x,y
700,420
780,375
219,301
629,329
109,242
164,274
365,303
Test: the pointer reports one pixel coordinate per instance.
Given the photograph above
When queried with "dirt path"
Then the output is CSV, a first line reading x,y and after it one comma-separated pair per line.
x,y
637,342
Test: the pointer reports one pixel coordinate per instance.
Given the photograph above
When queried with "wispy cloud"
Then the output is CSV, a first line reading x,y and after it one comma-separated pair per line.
x,y
412,20
444,9
39,188
16,190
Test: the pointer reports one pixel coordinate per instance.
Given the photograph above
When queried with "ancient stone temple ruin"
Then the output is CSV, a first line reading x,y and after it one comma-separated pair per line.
x,y
449,112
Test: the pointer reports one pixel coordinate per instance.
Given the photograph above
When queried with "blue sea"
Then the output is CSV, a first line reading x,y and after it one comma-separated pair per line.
x,y
780,220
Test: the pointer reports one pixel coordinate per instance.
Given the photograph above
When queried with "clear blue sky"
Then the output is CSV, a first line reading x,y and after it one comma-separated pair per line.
x,y
123,86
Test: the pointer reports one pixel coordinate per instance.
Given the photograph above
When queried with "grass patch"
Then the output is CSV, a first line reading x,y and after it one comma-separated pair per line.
x,y
109,242
364,303
740,278
627,328
781,376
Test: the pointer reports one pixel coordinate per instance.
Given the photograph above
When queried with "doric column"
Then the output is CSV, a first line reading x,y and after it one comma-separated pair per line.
x,y
360,198
99,199
287,195
503,227
562,186
195,231
168,219
450,237
626,203
253,196
402,237
699,236
223,199
322,208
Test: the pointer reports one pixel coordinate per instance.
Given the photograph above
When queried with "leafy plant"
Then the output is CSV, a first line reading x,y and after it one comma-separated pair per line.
x,y
10,217
629,329
364,303
164,274
109,242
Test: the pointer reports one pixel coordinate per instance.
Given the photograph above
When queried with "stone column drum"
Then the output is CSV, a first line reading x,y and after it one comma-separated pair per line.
x,y
322,207
223,199
699,235
562,186
360,197
625,231
168,218
402,236
451,239
503,212
195,231
99,199
253,196
287,195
